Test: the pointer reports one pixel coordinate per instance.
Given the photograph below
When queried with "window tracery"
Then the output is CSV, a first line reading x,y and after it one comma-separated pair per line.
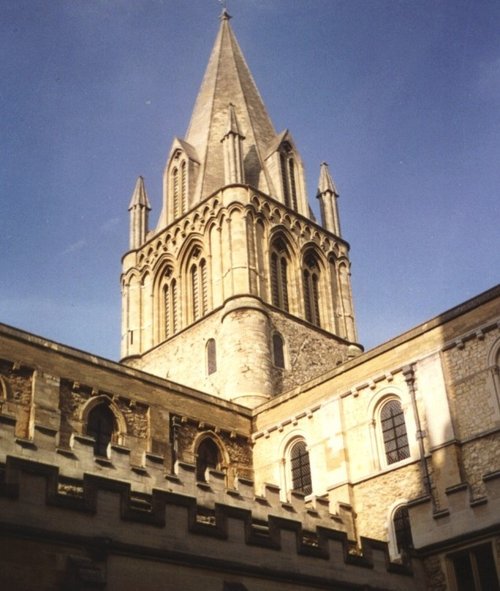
x,y
279,274
310,281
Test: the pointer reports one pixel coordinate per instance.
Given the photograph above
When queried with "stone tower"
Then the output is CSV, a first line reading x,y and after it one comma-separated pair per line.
x,y
238,292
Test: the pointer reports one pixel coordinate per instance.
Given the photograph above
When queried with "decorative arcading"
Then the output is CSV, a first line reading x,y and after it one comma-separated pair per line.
x,y
73,479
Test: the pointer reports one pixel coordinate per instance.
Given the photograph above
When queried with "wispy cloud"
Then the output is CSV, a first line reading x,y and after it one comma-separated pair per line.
x,y
109,226
75,246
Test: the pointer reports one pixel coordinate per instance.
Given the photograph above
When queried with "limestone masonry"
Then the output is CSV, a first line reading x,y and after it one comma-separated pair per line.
x,y
245,442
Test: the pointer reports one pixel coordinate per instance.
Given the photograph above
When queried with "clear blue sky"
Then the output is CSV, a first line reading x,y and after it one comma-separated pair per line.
x,y
402,98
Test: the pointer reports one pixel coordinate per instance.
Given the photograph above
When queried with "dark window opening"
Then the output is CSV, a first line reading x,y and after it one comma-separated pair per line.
x,y
208,456
278,351
101,425
475,569
402,530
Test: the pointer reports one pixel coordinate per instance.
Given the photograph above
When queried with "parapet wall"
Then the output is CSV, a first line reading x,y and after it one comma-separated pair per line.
x,y
80,499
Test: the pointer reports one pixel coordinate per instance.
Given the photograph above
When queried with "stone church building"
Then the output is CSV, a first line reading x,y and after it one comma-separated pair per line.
x,y
246,442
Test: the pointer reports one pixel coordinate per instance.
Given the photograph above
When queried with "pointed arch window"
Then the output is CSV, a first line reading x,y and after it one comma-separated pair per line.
x,y
279,274
310,283
184,194
300,467
198,285
207,456
101,425
175,192
336,303
278,350
402,530
211,356
169,311
393,428
288,179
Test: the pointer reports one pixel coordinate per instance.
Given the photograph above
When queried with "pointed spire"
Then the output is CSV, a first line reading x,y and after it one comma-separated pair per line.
x,y
232,122
139,196
228,80
139,208
325,180
232,147
327,195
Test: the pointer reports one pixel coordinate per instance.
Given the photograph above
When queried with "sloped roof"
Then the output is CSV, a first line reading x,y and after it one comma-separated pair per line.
x,y
228,81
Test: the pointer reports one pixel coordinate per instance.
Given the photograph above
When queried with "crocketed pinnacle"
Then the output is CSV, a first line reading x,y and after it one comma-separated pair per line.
x,y
139,196
326,183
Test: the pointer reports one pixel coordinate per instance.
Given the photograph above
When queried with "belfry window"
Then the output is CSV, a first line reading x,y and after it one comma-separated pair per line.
x,y
175,191
288,179
169,312
179,185
300,467
279,274
208,456
101,425
393,427
310,282
198,285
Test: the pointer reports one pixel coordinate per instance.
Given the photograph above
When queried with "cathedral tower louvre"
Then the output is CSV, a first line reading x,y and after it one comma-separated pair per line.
x,y
238,292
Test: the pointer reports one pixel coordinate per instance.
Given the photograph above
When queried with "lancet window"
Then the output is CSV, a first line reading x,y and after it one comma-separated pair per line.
x,y
288,178
211,356
169,312
279,274
179,186
278,350
199,285
310,284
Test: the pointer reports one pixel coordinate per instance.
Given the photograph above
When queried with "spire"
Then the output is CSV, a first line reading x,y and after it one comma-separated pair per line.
x,y
327,195
228,80
325,180
139,196
139,208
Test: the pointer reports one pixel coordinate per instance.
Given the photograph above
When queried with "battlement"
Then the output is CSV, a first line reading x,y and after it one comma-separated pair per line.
x,y
464,514
150,511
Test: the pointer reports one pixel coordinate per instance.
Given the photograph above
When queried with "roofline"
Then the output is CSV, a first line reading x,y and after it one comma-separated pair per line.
x,y
114,366
413,333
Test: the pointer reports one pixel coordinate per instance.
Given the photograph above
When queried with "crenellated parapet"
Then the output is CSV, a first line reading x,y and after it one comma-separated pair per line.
x,y
179,518
463,514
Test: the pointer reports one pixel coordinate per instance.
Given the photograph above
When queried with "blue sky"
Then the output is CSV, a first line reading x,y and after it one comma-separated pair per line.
x,y
401,98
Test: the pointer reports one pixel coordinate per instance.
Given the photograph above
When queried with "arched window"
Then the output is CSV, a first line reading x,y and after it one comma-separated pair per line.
x,y
211,357
336,303
300,467
207,456
393,428
279,274
310,281
278,350
184,195
402,530
199,285
288,180
175,192
169,311
101,425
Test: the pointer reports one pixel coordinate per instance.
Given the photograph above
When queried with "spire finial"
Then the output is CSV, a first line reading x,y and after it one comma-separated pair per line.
x,y
225,16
